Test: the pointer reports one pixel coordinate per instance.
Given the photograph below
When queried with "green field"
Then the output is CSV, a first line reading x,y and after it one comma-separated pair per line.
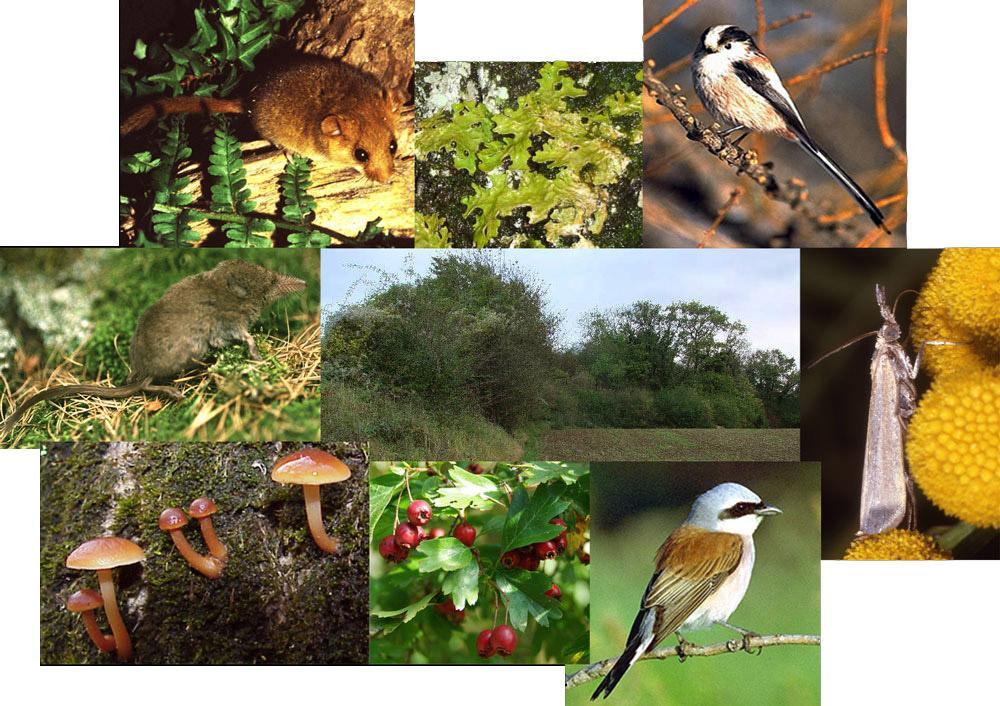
x,y
671,444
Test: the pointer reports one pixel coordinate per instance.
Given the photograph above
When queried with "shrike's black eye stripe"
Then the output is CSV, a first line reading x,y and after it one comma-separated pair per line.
x,y
759,83
741,509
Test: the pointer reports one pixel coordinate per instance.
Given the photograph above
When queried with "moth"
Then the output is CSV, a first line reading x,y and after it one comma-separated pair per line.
x,y
887,496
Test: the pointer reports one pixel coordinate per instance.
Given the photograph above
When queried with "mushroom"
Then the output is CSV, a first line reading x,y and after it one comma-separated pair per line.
x,y
173,520
102,555
85,602
312,468
202,510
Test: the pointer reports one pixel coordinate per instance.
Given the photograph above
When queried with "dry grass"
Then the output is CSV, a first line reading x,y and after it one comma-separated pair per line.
x,y
235,398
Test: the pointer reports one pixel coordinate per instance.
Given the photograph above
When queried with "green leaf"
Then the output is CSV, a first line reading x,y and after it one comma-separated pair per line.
x,y
445,553
463,585
383,620
524,592
469,490
381,491
530,523
545,472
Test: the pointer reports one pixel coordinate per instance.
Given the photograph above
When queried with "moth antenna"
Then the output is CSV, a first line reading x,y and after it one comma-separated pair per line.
x,y
841,347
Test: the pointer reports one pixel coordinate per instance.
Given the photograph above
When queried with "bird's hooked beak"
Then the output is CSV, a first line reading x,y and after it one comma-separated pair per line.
x,y
767,510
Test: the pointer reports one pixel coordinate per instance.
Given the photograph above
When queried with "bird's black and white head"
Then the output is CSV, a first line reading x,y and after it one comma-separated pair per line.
x,y
727,42
729,507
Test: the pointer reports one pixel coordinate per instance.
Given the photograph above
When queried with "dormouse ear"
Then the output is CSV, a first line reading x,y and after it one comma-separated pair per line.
x,y
393,99
331,126
237,287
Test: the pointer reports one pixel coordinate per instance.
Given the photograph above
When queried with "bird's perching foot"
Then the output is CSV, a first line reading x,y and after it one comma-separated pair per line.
x,y
733,645
682,646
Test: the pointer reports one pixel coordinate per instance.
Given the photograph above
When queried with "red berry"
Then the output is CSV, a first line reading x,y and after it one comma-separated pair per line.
x,y
445,607
407,536
391,551
529,562
561,543
421,535
558,521
465,533
437,532
419,512
554,592
484,645
545,550
585,557
475,468
504,640
510,559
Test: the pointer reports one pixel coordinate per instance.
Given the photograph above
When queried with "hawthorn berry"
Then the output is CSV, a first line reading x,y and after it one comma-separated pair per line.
x,y
560,543
545,550
475,468
407,535
484,644
446,606
503,640
390,549
529,562
554,592
419,512
465,533
437,532
510,559
584,558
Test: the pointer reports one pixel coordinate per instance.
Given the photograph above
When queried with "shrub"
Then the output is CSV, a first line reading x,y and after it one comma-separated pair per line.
x,y
682,407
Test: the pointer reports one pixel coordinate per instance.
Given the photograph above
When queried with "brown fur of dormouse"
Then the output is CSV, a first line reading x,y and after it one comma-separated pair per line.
x,y
319,108
203,311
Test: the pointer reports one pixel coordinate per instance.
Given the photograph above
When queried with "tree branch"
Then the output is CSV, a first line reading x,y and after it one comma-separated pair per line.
x,y
793,192
599,669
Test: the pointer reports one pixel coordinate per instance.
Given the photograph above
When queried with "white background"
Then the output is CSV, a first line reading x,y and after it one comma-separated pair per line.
x,y
893,633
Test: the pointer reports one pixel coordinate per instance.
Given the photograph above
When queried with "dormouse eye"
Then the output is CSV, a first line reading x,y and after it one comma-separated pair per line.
x,y
392,146
361,155
729,45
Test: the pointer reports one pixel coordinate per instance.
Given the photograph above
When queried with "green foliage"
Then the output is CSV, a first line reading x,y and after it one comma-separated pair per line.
x,y
227,37
682,407
550,153
510,506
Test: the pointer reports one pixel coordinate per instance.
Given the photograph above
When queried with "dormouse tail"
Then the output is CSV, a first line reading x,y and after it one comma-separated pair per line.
x,y
53,393
161,107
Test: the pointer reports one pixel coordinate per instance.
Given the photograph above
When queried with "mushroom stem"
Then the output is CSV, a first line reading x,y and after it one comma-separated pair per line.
x,y
314,515
123,643
207,565
105,643
217,548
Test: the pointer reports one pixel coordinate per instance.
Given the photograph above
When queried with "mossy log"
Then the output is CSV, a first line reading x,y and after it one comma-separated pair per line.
x,y
280,600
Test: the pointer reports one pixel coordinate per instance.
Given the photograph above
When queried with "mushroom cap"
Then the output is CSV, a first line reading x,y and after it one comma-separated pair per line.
x,y
104,553
173,518
84,599
310,467
202,507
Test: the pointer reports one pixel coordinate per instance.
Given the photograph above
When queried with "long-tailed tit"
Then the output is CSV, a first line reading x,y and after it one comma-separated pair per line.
x,y
738,85
702,572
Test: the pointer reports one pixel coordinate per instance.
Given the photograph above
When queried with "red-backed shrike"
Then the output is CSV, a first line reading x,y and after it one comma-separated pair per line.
x,y
702,571
738,85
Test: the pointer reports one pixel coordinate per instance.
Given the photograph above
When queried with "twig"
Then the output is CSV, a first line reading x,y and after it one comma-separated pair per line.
x,y
686,61
761,24
721,216
793,192
881,111
832,66
599,669
857,210
669,17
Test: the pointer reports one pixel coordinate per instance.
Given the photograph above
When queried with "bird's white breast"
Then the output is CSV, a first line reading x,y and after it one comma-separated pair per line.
x,y
721,604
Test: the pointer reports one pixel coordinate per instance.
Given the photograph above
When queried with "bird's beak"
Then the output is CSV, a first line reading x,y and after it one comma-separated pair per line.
x,y
768,510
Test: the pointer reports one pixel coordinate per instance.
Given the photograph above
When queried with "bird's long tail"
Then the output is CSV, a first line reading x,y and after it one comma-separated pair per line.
x,y
640,638
878,218
53,393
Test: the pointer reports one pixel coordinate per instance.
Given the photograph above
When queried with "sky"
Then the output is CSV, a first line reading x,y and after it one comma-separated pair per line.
x,y
758,287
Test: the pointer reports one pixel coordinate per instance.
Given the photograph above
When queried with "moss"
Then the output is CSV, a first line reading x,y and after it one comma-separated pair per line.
x,y
280,599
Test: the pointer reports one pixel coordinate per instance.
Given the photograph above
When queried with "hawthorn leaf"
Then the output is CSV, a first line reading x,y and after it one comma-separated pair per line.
x,y
469,490
383,620
462,585
445,553
381,492
524,592
545,472
530,524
